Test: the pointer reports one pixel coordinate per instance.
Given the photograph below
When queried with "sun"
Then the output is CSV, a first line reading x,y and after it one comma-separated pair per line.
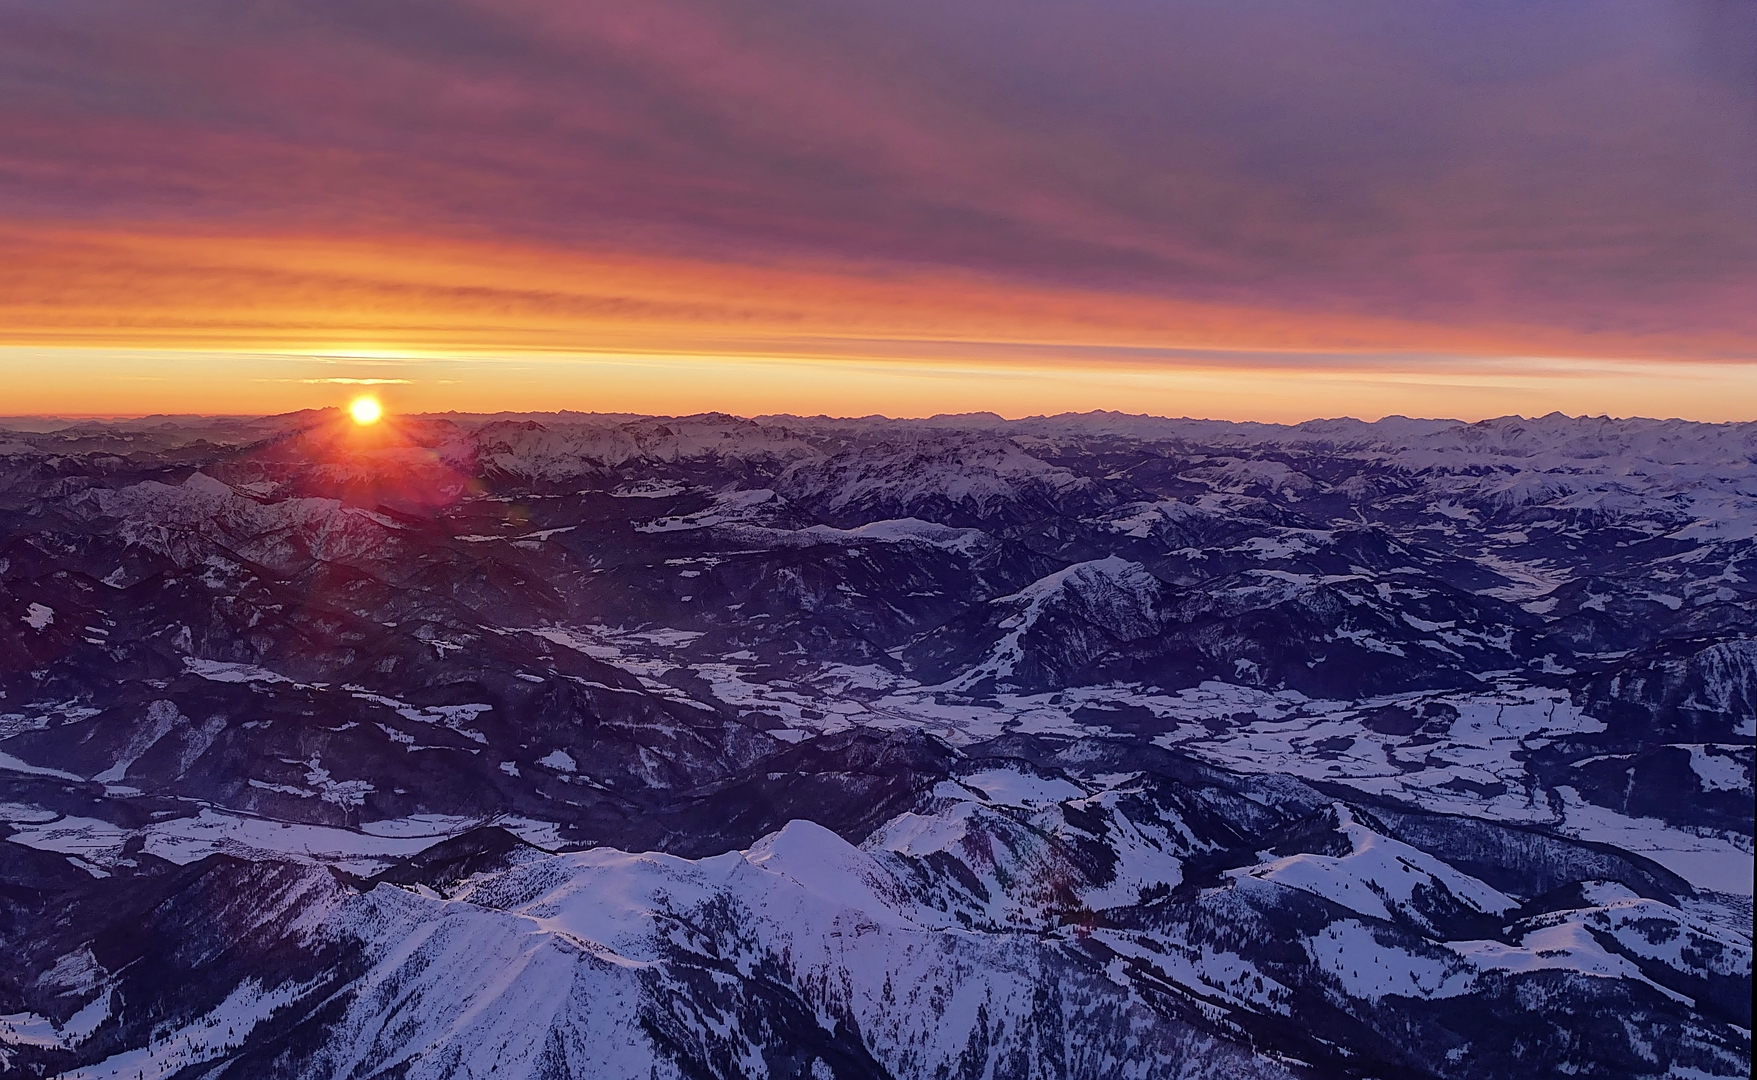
x,y
365,410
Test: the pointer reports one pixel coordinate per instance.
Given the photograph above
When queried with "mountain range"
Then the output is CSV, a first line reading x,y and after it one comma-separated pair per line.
x,y
1096,745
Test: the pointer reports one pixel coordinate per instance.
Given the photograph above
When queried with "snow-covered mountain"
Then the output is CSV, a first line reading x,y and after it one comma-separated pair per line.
x,y
1089,746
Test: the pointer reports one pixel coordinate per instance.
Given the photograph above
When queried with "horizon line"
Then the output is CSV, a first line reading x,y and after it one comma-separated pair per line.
x,y
974,414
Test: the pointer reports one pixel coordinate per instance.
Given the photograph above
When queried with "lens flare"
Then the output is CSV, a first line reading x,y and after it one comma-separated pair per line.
x,y
365,410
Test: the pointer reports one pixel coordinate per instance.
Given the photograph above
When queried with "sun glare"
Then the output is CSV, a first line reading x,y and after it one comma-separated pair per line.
x,y
365,410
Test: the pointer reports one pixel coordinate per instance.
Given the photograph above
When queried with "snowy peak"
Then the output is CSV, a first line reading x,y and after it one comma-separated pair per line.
x,y
1379,877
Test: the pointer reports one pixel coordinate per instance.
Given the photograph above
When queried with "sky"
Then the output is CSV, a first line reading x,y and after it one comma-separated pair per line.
x,y
1250,209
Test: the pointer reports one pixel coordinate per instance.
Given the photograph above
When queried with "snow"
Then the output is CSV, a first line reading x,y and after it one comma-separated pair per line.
x,y
1146,858
541,834
809,898
344,793
417,825
160,720
1287,543
904,531
12,764
21,812
932,469
1707,862
92,839
1268,733
1017,788
168,519
1378,874
567,942
649,489
1139,519
919,835
816,861
207,1039
452,717
188,839
731,506
1567,946
1719,772
1211,972
29,1029
39,616
1659,932
1350,952
559,760
220,671
1121,592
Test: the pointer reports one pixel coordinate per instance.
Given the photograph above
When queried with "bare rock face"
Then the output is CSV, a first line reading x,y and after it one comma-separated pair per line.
x,y
1080,746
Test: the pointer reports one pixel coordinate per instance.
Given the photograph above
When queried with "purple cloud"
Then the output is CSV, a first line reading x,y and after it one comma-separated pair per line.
x,y
1580,165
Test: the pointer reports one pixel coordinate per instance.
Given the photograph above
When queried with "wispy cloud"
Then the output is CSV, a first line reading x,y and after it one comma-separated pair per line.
x,y
354,382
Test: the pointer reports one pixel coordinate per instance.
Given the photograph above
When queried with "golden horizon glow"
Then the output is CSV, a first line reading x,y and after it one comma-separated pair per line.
x,y
365,410
109,324
1268,387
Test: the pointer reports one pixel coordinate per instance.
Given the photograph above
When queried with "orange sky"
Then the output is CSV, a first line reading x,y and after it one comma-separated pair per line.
x,y
1177,208
103,323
